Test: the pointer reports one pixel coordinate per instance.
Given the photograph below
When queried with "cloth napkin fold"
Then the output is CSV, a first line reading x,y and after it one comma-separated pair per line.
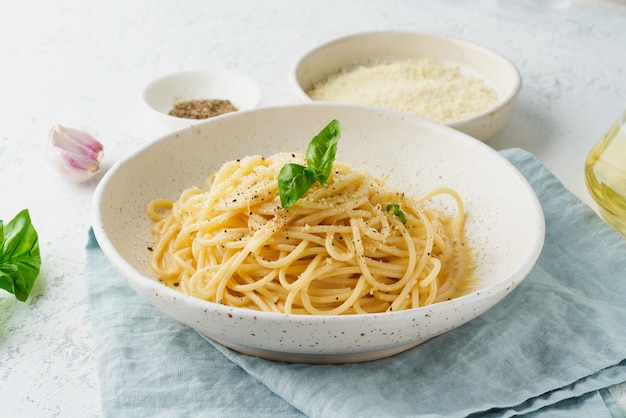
x,y
553,347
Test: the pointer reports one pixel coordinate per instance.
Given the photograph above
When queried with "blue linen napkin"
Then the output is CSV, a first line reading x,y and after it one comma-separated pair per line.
x,y
550,348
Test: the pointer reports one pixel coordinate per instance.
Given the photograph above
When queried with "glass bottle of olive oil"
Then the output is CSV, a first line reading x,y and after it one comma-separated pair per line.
x,y
605,174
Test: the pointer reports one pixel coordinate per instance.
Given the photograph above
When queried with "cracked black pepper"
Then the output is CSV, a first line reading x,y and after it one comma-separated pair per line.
x,y
202,109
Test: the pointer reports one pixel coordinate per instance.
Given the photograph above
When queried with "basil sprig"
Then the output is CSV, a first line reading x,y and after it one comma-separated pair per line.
x,y
395,209
295,180
20,260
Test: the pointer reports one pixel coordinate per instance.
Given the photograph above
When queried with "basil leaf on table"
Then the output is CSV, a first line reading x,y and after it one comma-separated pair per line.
x,y
295,180
20,259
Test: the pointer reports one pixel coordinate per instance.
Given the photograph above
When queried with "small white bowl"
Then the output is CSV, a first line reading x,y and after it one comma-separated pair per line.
x,y
505,224
162,94
344,53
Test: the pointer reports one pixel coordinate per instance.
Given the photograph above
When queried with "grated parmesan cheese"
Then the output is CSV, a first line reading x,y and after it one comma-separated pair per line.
x,y
425,88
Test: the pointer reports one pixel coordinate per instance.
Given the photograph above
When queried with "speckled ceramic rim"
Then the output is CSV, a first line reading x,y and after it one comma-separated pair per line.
x,y
165,298
110,251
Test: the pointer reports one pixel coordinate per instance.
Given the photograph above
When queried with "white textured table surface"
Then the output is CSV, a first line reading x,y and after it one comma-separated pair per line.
x,y
83,64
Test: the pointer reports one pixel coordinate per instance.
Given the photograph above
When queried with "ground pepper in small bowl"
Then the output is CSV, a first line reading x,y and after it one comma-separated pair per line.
x,y
184,98
202,109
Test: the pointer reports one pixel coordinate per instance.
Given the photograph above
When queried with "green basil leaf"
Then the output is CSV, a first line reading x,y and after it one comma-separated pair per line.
x,y
20,260
320,154
294,181
395,208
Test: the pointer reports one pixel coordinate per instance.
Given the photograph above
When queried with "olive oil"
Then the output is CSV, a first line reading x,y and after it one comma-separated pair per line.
x,y
605,175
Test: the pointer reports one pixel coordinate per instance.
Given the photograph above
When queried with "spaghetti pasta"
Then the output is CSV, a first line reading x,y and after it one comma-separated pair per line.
x,y
337,250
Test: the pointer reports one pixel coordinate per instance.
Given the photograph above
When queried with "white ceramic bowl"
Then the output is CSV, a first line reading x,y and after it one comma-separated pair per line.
x,y
161,94
505,224
343,53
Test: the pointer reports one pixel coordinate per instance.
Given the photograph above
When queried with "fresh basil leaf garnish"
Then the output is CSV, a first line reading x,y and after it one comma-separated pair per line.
x,y
395,208
320,154
295,180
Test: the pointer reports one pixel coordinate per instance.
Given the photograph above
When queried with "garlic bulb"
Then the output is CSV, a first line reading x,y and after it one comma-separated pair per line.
x,y
74,153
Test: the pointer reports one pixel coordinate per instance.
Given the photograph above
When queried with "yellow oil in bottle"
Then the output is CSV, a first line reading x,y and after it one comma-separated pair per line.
x,y
605,175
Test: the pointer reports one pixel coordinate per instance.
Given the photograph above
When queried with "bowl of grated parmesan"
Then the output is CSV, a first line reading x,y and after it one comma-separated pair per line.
x,y
446,80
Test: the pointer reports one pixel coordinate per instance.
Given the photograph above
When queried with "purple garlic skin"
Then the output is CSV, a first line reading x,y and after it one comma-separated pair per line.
x,y
74,153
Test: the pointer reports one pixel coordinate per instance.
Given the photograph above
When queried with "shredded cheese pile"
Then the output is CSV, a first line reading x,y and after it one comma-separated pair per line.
x,y
426,88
